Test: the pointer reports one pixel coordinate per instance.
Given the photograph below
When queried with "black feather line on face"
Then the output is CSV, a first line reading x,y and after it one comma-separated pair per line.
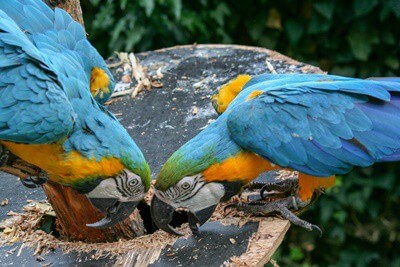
x,y
190,194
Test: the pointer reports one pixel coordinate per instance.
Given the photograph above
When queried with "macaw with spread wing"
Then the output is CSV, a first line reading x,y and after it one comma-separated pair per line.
x,y
52,85
319,125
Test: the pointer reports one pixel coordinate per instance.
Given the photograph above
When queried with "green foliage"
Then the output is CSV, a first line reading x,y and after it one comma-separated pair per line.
x,y
353,38
360,215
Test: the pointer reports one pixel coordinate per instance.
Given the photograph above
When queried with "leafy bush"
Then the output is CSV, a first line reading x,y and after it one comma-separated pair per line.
x,y
354,38
360,216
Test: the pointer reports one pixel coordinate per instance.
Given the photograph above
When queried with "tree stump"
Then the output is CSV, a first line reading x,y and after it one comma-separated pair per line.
x,y
73,210
161,120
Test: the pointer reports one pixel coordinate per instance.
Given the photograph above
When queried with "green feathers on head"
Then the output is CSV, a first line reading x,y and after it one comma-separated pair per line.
x,y
182,164
143,170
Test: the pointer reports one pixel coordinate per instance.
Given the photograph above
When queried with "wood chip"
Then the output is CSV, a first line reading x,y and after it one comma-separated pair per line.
x,y
126,78
232,240
137,90
139,73
40,258
10,252
122,93
8,230
14,240
123,58
195,110
20,250
156,84
270,67
159,73
4,202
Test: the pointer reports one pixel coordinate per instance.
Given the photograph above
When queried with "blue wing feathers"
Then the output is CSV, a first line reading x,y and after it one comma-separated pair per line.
x,y
37,22
319,124
54,31
33,106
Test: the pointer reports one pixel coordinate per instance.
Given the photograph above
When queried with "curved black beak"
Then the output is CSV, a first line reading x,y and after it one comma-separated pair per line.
x,y
214,103
162,214
115,210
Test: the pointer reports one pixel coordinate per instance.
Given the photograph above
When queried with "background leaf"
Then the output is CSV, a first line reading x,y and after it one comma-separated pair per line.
x,y
362,7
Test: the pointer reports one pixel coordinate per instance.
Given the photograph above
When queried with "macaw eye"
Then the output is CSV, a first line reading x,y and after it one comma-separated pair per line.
x,y
185,186
133,182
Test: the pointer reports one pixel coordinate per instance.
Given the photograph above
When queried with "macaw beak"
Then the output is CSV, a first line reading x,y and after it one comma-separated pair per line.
x,y
214,102
116,211
162,214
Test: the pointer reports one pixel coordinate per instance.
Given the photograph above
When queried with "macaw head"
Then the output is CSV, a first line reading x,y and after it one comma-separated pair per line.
x,y
101,80
227,92
101,84
118,193
197,177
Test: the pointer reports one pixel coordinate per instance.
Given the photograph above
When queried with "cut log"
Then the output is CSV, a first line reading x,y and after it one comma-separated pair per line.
x,y
73,210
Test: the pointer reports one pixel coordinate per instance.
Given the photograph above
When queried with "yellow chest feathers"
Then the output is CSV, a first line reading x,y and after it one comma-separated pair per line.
x,y
244,166
61,167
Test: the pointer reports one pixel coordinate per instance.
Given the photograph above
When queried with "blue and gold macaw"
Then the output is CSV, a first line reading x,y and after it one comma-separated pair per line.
x,y
319,125
52,84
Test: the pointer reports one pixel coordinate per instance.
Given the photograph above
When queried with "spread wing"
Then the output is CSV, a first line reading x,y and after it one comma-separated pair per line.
x,y
34,107
321,127
56,34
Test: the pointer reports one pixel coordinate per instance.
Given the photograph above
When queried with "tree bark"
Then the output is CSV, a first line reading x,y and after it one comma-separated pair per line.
x,y
73,7
73,210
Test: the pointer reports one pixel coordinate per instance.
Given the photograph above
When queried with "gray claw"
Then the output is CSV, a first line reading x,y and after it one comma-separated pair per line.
x,y
316,229
230,206
35,181
29,183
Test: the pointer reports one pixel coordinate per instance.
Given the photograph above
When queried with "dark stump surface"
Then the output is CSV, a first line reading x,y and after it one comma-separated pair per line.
x,y
160,121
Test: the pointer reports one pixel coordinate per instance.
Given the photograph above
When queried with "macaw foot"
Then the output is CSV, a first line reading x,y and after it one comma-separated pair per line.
x,y
276,189
35,181
4,155
283,187
278,207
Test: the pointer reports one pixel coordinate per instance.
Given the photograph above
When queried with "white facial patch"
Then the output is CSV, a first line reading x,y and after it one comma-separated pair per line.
x,y
125,187
193,193
207,196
